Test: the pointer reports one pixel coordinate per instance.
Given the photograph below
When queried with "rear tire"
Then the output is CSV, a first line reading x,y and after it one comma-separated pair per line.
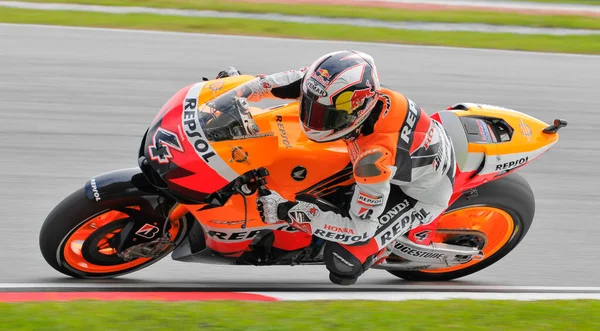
x,y
74,212
511,194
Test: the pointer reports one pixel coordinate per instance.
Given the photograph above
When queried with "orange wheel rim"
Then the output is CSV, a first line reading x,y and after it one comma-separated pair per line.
x,y
72,250
497,225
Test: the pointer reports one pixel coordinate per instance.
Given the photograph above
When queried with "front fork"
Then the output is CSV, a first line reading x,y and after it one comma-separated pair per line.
x,y
177,211
131,243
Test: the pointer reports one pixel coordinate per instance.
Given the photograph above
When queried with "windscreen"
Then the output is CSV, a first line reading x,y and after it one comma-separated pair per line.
x,y
228,117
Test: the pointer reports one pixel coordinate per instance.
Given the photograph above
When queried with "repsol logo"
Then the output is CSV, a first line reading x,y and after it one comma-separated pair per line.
x,y
95,189
193,132
409,123
281,127
369,201
243,235
340,237
512,164
400,226
417,253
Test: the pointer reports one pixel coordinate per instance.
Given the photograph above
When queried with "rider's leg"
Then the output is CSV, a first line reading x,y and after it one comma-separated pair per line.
x,y
347,262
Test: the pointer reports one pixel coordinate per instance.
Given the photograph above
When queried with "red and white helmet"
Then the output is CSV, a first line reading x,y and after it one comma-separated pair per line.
x,y
339,91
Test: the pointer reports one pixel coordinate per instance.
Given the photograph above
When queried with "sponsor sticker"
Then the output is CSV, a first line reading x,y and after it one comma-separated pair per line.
x,y
239,155
299,173
398,246
484,130
411,120
227,235
369,200
194,133
512,164
341,237
147,231
316,88
525,130
322,76
350,101
283,133
95,189
215,87
338,229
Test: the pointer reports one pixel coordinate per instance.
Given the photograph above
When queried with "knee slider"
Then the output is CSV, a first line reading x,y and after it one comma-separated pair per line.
x,y
343,266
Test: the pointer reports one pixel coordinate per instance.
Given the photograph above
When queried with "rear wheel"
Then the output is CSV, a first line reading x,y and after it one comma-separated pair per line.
x,y
77,236
495,221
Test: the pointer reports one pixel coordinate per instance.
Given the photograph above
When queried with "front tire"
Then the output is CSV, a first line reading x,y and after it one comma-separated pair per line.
x,y
75,237
510,195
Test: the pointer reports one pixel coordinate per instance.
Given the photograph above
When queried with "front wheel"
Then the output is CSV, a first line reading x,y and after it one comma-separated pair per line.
x,y
503,211
75,238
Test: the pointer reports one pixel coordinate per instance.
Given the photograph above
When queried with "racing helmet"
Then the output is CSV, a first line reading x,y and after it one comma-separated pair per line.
x,y
339,91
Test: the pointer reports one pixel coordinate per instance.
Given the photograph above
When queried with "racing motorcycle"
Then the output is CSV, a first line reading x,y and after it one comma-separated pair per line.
x,y
210,153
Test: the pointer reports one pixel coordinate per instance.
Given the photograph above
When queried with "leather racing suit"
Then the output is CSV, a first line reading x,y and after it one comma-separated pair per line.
x,y
404,168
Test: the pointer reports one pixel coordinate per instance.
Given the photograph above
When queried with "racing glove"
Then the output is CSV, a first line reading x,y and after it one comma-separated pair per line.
x,y
273,208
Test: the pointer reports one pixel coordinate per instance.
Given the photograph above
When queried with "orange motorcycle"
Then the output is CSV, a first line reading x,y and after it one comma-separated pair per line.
x,y
210,153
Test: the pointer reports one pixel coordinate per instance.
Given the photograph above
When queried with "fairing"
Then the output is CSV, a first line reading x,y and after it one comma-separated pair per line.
x,y
218,142
204,138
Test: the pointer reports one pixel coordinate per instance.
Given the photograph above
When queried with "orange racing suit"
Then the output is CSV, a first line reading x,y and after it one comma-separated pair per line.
x,y
404,168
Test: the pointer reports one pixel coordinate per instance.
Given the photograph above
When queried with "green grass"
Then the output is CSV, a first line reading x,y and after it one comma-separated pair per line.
x,y
385,14
451,315
543,43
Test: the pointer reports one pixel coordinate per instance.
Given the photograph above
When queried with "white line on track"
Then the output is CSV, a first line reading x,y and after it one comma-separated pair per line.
x,y
398,293
307,41
397,288
395,296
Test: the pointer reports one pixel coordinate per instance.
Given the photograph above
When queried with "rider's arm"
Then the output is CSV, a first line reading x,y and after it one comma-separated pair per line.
x,y
281,85
372,172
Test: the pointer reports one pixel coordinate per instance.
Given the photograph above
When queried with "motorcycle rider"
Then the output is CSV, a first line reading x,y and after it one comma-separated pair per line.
x,y
403,161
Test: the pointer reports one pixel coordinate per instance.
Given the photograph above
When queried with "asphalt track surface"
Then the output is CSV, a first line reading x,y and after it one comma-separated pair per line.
x,y
75,102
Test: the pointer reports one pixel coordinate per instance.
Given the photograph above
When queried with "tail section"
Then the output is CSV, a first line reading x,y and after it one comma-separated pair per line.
x,y
491,141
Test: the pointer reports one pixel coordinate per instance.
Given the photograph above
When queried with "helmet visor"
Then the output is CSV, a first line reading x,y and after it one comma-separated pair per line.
x,y
319,117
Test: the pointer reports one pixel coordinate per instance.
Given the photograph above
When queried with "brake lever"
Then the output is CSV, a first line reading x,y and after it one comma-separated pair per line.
x,y
260,185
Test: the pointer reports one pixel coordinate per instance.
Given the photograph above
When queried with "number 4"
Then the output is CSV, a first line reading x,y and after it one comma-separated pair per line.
x,y
162,140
